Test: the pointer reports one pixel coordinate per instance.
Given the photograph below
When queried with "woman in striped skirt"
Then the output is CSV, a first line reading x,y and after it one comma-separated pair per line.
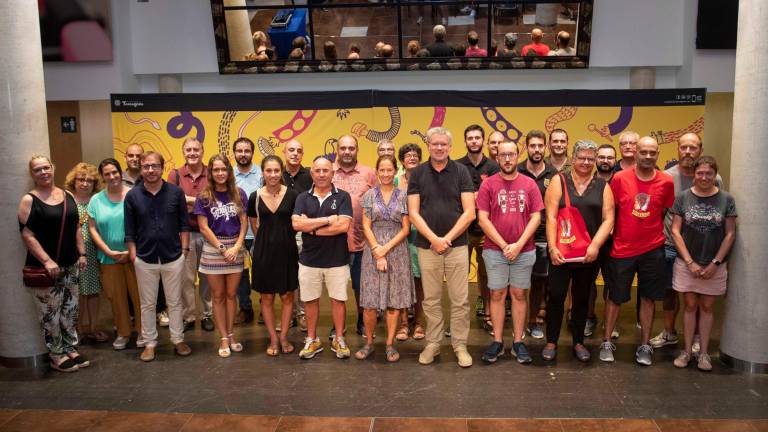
x,y
220,211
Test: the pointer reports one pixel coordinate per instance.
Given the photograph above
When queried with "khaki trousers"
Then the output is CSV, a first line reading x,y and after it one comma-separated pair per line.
x,y
119,282
452,266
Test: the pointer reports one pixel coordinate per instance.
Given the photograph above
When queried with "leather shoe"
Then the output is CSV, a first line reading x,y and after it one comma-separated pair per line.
x,y
244,317
182,349
189,325
148,354
207,324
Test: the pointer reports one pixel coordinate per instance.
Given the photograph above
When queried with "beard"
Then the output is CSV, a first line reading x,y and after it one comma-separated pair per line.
x,y
243,165
475,151
604,168
508,171
536,157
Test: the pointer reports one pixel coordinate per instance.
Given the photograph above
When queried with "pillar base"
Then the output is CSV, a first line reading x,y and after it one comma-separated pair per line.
x,y
744,365
25,368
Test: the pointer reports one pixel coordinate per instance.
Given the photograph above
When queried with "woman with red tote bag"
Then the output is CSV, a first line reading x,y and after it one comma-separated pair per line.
x,y
580,215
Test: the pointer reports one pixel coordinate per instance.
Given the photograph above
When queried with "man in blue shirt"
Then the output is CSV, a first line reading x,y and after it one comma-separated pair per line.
x,y
157,235
249,178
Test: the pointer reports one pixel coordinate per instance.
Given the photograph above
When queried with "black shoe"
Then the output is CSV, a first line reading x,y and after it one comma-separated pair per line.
x,y
207,324
479,307
492,353
189,325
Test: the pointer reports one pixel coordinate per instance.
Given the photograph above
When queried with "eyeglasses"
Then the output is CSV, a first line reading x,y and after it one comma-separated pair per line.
x,y
606,158
505,156
147,167
41,169
85,180
584,159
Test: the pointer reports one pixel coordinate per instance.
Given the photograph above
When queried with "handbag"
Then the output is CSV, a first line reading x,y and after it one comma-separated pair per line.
x,y
572,235
38,276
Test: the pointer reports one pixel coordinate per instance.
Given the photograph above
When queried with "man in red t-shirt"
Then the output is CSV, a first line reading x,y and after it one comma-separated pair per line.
x,y
536,47
642,194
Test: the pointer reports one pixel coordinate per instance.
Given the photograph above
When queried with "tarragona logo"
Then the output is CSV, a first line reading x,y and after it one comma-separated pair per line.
x,y
565,232
642,201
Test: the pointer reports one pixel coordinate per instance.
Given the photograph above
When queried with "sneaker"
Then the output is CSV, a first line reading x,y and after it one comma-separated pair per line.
x,y
492,353
463,357
339,346
536,331
479,307
163,319
120,343
664,339
615,333
644,355
589,327
696,347
466,10
311,348
606,351
302,321
207,323
682,360
332,334
429,353
488,326
705,363
520,351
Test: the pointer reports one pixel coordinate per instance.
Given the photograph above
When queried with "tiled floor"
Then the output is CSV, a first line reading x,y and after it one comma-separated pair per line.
x,y
91,421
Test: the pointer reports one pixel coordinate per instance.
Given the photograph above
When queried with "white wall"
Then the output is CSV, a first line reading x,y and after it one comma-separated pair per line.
x,y
176,36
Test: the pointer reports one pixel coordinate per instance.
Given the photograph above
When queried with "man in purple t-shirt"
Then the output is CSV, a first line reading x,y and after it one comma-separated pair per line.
x,y
509,206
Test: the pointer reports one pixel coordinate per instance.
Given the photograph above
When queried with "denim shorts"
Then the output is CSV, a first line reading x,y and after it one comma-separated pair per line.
x,y
503,272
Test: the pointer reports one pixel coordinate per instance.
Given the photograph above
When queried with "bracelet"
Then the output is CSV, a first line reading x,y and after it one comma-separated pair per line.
x,y
374,248
186,249
689,262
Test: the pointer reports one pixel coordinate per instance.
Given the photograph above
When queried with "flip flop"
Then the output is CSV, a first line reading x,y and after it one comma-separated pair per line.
x,y
273,351
286,347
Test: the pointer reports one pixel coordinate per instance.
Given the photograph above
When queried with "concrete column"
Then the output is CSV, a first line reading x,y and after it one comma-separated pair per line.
x,y
23,132
239,35
642,77
744,344
169,83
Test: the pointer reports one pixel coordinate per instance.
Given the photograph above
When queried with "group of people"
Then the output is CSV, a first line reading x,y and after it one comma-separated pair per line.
x,y
402,231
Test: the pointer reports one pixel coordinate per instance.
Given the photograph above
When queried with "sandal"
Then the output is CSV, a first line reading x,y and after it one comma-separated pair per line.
x,y
392,354
402,333
224,352
237,346
79,360
64,364
488,325
418,332
286,347
273,351
364,352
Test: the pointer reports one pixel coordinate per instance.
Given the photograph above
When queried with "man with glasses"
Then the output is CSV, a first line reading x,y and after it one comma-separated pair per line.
x,y
627,148
643,195
606,161
157,236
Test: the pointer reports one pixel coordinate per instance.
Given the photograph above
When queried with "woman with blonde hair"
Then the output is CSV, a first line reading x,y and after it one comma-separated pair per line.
x,y
220,211
83,182
48,221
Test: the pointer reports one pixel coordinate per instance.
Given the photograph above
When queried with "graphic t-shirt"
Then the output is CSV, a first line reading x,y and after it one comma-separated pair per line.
x,y
509,204
682,183
223,216
703,228
640,207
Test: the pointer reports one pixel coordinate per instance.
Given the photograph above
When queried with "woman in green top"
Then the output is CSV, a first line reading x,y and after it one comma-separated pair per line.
x,y
83,181
107,228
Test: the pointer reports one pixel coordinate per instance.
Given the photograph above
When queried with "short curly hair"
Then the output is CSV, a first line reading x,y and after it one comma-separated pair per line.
x,y
87,169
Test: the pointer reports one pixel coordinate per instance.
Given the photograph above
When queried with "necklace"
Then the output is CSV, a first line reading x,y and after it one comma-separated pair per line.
x,y
274,194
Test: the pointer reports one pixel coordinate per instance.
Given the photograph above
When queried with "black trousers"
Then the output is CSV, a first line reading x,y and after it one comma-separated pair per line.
x,y
580,278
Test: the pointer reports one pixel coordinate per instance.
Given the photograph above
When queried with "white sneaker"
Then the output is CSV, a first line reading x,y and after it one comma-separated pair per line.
x,y
163,319
140,343
663,339
696,346
120,343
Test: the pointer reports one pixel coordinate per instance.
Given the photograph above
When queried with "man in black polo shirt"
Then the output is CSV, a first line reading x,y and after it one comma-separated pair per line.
x,y
295,176
535,168
441,204
480,168
157,235
323,215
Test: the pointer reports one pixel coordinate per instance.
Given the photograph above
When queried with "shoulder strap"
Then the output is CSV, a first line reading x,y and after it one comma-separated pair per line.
x,y
565,191
61,229
258,198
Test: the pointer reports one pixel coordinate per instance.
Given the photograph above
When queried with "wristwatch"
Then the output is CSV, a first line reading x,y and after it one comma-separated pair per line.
x,y
222,248
716,261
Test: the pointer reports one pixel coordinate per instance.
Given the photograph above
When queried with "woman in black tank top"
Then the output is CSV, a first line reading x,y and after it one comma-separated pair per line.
x,y
41,215
594,201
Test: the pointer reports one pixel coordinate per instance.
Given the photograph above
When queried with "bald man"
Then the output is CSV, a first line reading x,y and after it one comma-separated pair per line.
x,y
536,47
562,40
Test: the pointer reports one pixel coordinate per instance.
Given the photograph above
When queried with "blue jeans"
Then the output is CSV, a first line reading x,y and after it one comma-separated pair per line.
x,y
244,289
355,267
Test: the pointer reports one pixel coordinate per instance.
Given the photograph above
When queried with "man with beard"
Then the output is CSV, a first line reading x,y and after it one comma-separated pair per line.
x,y
627,148
248,177
558,151
494,141
355,179
606,161
642,195
536,168
510,208
689,149
192,178
480,168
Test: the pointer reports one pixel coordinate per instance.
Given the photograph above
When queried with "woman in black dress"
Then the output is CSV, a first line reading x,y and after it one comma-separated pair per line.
x,y
275,255
589,194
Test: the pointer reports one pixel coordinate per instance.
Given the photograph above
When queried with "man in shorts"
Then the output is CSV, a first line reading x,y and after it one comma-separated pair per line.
x,y
510,208
643,195
323,214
